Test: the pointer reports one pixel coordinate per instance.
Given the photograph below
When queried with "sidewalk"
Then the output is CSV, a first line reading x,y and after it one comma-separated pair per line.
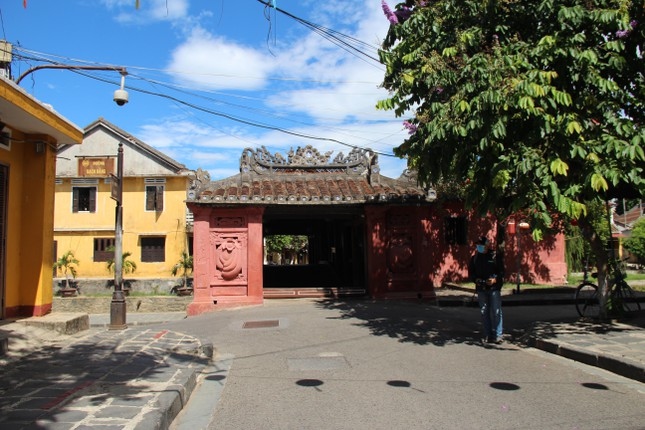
x,y
616,346
141,377
137,378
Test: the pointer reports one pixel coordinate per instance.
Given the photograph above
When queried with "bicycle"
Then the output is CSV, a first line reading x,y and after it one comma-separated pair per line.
x,y
621,301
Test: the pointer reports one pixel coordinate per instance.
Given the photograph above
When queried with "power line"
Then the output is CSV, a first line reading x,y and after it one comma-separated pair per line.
x,y
348,43
231,117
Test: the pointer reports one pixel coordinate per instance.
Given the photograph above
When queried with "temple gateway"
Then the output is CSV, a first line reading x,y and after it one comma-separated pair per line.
x,y
367,234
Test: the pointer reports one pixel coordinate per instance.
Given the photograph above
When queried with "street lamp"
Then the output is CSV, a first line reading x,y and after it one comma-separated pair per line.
x,y
120,95
517,231
118,304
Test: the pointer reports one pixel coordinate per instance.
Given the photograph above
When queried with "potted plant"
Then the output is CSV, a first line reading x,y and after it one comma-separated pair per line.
x,y
66,265
127,265
183,266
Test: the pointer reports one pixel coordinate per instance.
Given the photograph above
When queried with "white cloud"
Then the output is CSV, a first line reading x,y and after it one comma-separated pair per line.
x,y
209,62
305,79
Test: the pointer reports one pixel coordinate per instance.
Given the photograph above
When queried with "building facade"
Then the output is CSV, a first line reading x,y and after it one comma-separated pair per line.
x,y
156,229
31,132
368,235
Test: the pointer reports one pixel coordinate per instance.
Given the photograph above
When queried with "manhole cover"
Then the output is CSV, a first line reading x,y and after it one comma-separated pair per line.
x,y
261,324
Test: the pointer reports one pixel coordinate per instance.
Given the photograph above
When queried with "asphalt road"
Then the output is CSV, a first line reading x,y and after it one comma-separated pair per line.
x,y
357,365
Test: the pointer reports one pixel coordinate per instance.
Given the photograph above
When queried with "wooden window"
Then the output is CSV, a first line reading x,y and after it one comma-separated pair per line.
x,y
5,139
84,199
153,249
154,198
103,248
456,230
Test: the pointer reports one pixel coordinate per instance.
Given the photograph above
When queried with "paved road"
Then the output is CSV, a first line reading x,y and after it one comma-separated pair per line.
x,y
327,364
363,365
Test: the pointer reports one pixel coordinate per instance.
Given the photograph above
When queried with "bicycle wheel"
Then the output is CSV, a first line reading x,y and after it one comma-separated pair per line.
x,y
624,295
586,300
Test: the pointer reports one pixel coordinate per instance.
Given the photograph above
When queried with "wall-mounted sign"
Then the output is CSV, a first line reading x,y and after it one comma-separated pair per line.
x,y
115,188
95,167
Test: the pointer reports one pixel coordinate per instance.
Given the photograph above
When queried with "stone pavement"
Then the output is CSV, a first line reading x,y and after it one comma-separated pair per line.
x,y
141,377
136,378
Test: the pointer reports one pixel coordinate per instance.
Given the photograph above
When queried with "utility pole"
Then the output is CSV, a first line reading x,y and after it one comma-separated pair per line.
x,y
118,305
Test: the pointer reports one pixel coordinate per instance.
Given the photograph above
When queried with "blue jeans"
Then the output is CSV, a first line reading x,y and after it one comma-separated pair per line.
x,y
490,306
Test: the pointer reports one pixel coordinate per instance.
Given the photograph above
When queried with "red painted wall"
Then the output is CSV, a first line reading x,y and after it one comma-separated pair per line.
x,y
227,258
408,254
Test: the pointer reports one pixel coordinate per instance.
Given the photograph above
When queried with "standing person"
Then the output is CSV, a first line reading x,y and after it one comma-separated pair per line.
x,y
486,270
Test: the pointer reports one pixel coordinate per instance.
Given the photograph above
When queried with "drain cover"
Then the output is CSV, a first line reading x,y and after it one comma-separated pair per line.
x,y
261,324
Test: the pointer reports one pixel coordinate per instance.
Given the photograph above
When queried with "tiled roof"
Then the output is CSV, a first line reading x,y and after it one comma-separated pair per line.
x,y
306,177
630,217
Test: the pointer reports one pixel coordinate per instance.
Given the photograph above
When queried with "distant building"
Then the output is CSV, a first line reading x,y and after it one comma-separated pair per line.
x,y
31,132
367,234
621,228
156,226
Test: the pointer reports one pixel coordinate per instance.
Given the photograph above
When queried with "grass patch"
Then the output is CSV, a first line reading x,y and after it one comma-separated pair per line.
x,y
576,278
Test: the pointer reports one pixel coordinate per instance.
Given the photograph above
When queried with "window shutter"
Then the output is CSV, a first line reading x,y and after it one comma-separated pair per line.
x,y
92,199
150,198
153,249
74,199
159,198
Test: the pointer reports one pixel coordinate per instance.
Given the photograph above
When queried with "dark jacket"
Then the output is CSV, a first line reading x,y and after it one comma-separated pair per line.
x,y
485,266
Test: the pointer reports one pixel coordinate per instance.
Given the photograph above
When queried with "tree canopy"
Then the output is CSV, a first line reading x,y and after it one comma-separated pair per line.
x,y
636,242
531,105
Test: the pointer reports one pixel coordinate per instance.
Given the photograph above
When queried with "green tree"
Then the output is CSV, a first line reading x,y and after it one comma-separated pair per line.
x,y
635,244
533,106
128,266
286,245
184,265
66,265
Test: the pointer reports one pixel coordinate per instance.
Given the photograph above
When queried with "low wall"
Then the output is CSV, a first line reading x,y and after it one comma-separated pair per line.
x,y
106,285
101,305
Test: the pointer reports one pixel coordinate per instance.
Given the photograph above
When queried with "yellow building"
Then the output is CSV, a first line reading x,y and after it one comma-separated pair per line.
x,y
30,135
154,210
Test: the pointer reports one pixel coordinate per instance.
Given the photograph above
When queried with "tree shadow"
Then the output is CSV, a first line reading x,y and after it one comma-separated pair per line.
x,y
58,382
410,321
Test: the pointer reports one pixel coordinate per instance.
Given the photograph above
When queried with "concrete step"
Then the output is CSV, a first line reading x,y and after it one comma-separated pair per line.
x,y
63,323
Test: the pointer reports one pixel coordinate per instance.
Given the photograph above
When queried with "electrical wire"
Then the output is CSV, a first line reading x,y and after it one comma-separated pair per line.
x,y
239,119
348,43
51,58
231,117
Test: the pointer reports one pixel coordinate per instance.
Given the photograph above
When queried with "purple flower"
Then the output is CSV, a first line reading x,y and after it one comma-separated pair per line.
x,y
403,13
634,23
410,127
621,34
391,16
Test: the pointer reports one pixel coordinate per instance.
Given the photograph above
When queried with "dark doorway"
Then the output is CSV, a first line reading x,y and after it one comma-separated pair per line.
x,y
335,248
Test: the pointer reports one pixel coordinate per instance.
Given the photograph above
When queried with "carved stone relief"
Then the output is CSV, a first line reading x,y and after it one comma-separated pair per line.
x,y
400,255
229,253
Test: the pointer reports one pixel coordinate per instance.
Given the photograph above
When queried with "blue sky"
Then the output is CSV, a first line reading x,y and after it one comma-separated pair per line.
x,y
202,72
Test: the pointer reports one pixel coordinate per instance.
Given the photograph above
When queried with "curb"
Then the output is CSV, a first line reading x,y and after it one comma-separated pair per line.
x,y
172,402
619,365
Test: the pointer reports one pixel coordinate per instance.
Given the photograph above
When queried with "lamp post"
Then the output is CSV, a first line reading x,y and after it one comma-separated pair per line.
x,y
118,304
120,95
517,231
